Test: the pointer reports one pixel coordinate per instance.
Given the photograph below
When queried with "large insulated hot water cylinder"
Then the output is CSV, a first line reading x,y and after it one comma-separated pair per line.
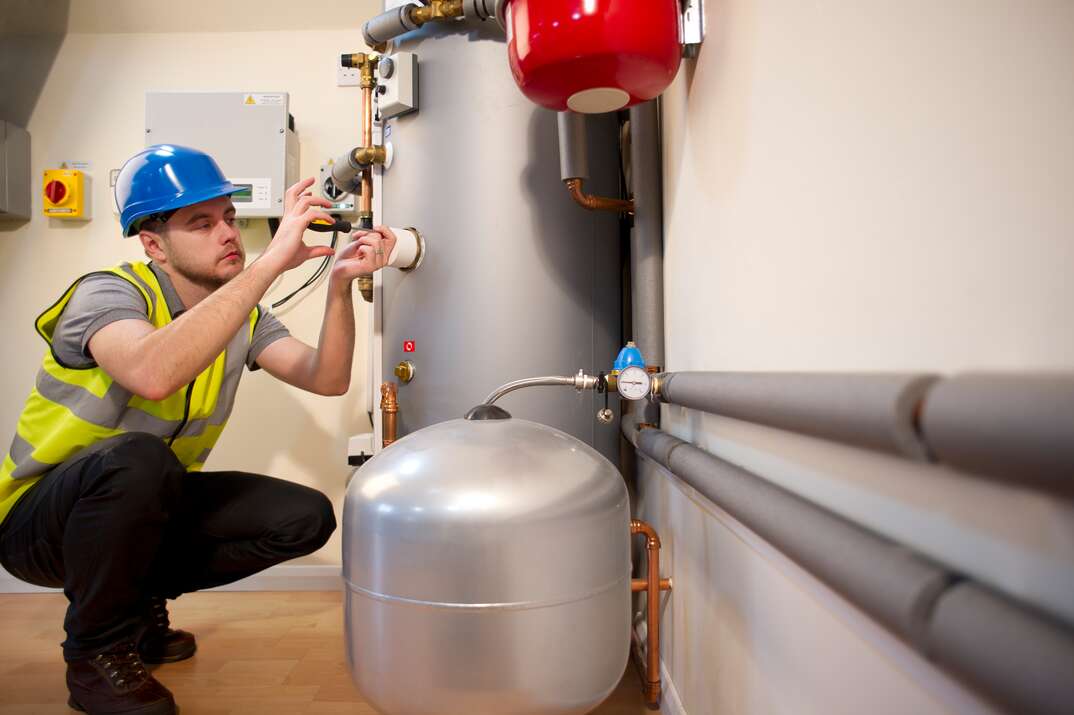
x,y
487,563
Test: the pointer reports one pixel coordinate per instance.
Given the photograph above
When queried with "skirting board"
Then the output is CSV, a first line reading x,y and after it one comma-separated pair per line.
x,y
670,704
284,577
669,698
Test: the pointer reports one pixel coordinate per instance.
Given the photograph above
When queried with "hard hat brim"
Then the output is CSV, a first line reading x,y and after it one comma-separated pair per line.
x,y
182,200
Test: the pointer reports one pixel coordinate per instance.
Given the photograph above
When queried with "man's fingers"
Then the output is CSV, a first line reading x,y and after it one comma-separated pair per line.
x,y
312,214
319,252
349,250
297,188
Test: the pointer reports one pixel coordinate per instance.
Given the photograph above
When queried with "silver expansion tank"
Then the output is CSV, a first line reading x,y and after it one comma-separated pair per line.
x,y
487,564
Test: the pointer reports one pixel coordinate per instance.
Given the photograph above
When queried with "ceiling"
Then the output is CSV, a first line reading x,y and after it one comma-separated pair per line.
x,y
145,16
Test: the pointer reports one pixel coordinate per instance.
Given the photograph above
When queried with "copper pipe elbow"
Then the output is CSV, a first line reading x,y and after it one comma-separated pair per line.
x,y
597,203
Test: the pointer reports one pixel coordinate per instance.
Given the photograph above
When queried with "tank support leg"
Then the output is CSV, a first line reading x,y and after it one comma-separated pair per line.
x,y
647,659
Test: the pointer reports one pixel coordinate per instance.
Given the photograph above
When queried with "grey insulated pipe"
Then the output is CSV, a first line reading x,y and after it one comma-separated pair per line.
x,y
346,172
647,242
484,10
1015,655
1019,428
573,156
388,25
876,411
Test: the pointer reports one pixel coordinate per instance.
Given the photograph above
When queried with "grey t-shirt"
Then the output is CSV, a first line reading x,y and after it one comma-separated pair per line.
x,y
104,298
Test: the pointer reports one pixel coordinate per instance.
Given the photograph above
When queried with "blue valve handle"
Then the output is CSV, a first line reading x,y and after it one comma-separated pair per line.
x,y
628,356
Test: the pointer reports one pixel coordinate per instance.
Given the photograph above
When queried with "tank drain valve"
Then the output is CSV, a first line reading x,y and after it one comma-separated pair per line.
x,y
405,371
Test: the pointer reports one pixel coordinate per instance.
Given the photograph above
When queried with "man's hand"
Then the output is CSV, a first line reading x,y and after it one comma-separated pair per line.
x,y
287,249
326,370
368,252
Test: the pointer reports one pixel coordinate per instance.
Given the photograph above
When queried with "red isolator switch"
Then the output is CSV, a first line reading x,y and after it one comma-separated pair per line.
x,y
409,346
55,191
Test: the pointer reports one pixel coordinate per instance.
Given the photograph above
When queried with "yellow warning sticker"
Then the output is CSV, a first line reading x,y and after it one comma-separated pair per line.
x,y
261,100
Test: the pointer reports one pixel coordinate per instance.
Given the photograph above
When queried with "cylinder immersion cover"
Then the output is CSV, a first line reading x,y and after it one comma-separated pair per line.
x,y
487,565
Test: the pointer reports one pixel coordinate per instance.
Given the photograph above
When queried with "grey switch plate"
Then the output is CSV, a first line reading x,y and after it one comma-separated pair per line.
x,y
15,191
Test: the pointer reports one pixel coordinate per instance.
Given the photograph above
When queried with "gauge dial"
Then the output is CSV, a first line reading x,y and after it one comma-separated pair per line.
x,y
634,383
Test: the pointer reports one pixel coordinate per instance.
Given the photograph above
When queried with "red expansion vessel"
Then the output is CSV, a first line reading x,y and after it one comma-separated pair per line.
x,y
592,55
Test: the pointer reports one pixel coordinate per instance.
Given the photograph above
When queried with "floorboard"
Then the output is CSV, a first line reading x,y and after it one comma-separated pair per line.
x,y
258,654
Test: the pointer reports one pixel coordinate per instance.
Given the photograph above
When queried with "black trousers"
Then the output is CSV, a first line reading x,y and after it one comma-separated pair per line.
x,y
123,521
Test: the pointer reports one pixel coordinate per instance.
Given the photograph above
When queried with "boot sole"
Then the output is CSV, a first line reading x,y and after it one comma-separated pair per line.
x,y
152,709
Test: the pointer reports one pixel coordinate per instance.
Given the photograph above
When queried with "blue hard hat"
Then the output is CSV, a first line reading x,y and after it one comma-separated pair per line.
x,y
165,177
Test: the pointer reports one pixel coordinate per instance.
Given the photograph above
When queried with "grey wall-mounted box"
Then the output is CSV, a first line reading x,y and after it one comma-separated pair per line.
x,y
15,192
250,134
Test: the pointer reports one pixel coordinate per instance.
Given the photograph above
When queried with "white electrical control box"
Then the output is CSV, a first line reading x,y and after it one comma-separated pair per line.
x,y
251,135
397,79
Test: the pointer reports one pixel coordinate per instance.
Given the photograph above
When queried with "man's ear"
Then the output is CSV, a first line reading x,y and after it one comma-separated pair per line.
x,y
153,245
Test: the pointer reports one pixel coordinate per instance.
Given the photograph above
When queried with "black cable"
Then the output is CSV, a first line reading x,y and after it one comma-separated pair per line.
x,y
312,279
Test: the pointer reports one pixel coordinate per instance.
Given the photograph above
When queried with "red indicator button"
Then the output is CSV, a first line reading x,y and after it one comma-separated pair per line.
x,y
55,191
409,346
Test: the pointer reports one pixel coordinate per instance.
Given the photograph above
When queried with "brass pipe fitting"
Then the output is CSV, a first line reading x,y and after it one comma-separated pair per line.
x,y
405,371
365,287
369,155
597,203
389,410
436,10
652,585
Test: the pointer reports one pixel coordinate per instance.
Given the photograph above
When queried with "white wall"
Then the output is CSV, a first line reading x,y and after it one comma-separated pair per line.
x,y
863,186
92,109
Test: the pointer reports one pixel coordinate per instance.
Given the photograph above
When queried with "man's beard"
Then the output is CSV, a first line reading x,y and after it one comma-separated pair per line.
x,y
202,280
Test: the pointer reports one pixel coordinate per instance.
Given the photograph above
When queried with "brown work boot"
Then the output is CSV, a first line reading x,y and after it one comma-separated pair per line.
x,y
159,642
116,683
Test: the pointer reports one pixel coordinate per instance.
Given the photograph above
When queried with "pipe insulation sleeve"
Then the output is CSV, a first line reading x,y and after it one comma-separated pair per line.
x,y
891,583
1016,427
875,411
388,25
408,249
573,152
647,242
1023,660
1013,654
345,171
483,10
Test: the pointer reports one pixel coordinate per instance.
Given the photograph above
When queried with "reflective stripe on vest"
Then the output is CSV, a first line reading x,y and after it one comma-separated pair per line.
x,y
71,408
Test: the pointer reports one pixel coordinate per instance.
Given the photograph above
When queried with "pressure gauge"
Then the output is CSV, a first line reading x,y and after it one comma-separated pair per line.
x,y
634,383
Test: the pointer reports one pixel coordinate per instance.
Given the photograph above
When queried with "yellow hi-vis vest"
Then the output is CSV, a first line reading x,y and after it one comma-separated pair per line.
x,y
71,408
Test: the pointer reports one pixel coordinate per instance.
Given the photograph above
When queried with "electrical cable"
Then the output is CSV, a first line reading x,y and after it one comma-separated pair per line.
x,y
312,279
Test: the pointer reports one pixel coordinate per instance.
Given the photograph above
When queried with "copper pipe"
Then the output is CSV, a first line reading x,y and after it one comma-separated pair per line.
x,y
389,409
366,200
597,203
652,585
642,584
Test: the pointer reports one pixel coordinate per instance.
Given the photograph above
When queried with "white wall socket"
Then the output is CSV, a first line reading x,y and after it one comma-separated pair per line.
x,y
346,76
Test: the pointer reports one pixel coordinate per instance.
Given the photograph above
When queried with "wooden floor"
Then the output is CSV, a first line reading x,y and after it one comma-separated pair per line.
x,y
258,654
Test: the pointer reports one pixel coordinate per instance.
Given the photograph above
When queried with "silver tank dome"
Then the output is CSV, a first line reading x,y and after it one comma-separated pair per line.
x,y
487,564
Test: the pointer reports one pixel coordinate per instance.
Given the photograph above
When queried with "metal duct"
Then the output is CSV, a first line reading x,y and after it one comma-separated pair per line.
x,y
1018,427
873,411
1018,657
